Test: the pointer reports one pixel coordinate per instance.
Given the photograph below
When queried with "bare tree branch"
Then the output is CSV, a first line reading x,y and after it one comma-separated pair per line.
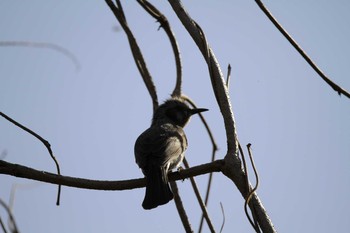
x,y
301,51
46,144
180,208
199,198
233,168
164,23
136,52
44,45
47,177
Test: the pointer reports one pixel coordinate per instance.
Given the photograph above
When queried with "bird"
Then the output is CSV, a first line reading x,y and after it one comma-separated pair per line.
x,y
161,147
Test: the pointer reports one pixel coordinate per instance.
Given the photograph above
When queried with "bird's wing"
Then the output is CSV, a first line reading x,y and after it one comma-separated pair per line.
x,y
158,145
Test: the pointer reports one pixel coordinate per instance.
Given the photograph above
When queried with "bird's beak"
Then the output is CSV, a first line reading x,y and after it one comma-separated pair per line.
x,y
198,110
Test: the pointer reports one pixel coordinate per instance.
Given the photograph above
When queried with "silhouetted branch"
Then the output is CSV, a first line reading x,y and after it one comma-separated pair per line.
x,y
47,177
301,51
164,23
180,208
46,144
136,52
199,199
44,45
2,225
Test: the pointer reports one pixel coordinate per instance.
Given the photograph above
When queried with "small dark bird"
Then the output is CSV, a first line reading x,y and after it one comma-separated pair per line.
x,y
161,148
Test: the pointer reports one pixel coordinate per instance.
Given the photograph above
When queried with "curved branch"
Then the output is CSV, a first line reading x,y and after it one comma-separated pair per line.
x,y
44,45
301,51
164,23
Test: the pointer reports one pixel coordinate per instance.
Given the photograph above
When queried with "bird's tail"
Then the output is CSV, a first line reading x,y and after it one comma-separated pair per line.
x,y
158,191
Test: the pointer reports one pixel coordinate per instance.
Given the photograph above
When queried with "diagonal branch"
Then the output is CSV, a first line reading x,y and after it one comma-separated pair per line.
x,y
155,13
180,208
301,51
199,198
136,52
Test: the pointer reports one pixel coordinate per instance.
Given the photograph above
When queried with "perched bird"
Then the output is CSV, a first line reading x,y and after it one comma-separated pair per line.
x,y
161,148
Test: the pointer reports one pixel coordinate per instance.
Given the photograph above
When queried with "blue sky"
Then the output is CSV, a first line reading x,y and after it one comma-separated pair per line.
x,y
298,126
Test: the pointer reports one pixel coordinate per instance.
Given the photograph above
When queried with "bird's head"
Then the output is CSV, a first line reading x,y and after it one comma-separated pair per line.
x,y
175,111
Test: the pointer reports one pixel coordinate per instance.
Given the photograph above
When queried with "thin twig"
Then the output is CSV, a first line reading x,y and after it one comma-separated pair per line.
x,y
301,51
46,144
228,76
2,225
223,217
180,208
164,23
136,52
252,191
251,221
9,212
199,199
44,45
255,173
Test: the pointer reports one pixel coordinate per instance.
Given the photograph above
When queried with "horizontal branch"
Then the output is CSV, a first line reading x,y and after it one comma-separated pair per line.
x,y
47,177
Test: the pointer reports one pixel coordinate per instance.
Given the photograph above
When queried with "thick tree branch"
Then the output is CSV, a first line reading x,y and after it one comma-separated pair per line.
x,y
47,177
233,168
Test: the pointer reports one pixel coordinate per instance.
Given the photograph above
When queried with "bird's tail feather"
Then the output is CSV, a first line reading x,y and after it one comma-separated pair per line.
x,y
158,191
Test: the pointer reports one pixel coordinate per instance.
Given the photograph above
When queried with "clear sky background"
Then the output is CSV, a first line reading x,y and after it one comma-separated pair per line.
x,y
298,126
